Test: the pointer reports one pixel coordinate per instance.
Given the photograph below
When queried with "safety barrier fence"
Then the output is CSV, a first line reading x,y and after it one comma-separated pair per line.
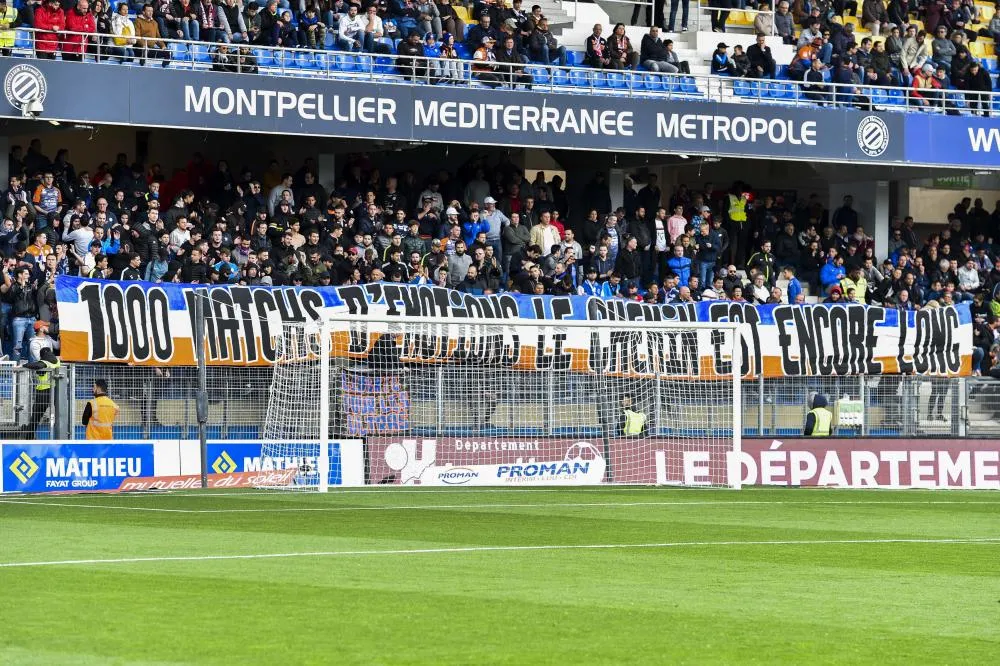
x,y
575,78
161,404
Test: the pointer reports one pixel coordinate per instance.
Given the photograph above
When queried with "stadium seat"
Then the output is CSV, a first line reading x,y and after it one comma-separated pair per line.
x,y
265,57
616,80
284,58
598,80
744,88
653,81
689,86
200,53
579,79
560,77
22,39
539,75
305,61
383,65
324,62
364,63
345,62
636,80
574,58
179,52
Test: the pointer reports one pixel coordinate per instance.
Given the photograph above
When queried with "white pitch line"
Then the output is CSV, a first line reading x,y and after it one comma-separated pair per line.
x,y
99,506
495,549
512,505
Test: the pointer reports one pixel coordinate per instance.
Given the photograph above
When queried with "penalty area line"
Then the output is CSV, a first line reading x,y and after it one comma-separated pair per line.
x,y
501,549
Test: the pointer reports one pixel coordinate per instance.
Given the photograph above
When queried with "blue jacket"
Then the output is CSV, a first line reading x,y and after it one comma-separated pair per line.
x,y
681,266
599,289
794,289
470,229
830,274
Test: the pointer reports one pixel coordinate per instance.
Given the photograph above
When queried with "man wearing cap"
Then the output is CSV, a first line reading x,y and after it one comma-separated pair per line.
x,y
497,221
484,69
40,340
721,63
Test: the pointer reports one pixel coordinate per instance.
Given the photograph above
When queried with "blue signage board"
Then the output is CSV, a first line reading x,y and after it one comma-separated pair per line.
x,y
73,466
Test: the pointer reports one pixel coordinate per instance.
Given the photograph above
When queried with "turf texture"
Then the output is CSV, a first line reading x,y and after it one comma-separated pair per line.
x,y
500,576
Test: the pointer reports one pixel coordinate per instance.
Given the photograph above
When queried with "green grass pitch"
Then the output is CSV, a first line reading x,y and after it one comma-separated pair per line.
x,y
469,576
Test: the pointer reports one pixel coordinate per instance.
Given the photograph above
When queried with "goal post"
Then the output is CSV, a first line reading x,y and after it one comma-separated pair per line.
x,y
466,402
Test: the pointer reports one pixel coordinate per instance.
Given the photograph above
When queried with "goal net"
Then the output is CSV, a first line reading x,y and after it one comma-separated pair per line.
x,y
523,403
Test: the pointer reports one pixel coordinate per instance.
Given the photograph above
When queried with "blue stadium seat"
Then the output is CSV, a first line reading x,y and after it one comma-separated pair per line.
x,y
598,79
540,75
22,39
636,80
653,82
305,61
383,65
897,97
616,80
200,53
560,77
364,63
344,62
265,57
689,86
284,58
324,61
744,88
463,51
574,58
579,78
179,52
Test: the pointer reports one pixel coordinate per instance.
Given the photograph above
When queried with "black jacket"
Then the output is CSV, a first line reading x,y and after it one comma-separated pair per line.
x,y
23,300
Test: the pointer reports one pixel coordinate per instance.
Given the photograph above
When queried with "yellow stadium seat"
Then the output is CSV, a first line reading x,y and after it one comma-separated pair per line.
x,y
917,23
989,48
853,19
986,12
978,49
462,13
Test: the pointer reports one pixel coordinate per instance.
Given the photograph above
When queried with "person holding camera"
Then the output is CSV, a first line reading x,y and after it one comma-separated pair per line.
x,y
22,295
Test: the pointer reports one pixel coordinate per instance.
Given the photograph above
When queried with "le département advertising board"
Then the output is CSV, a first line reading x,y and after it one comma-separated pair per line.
x,y
380,109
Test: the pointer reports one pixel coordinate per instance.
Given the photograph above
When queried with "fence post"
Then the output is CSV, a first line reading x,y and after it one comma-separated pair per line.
x,y
59,410
961,410
863,394
201,398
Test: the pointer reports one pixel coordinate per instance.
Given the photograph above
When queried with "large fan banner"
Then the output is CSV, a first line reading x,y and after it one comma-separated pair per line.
x,y
151,324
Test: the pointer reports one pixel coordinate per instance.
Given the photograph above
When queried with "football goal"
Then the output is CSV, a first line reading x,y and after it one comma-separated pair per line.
x,y
467,402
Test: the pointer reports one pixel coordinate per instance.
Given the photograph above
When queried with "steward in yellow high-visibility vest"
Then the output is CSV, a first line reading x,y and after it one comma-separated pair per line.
x,y
100,413
819,420
633,423
8,17
737,207
42,398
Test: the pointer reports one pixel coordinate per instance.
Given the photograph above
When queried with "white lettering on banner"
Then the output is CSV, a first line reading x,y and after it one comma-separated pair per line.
x,y
738,129
925,468
307,106
93,467
983,140
522,118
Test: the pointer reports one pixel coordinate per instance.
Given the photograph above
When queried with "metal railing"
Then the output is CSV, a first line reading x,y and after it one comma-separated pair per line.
x,y
160,403
704,12
392,68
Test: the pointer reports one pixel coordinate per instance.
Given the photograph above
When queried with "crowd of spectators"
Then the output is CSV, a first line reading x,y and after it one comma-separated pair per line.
x,y
923,47
481,229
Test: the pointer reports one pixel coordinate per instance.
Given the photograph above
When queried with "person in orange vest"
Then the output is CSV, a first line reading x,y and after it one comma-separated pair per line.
x,y
100,413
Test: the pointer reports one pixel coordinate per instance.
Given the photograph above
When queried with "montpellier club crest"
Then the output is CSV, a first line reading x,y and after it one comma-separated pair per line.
x,y
873,136
23,84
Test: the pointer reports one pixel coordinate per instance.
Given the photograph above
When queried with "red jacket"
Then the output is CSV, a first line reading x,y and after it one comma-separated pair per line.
x,y
77,22
51,21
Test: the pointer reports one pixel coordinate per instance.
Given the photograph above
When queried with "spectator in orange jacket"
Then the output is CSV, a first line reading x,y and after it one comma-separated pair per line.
x,y
78,19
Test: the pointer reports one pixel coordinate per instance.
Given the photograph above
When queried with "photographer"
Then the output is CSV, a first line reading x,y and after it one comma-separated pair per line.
x,y
22,295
